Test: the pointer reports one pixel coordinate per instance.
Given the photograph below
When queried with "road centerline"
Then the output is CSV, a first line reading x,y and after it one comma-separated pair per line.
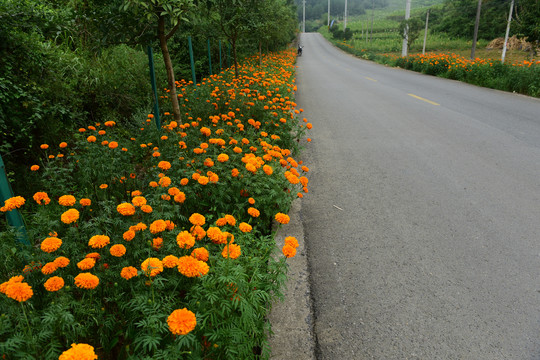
x,y
423,99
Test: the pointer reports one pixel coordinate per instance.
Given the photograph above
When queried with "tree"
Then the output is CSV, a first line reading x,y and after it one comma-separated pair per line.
x,y
168,13
415,26
528,22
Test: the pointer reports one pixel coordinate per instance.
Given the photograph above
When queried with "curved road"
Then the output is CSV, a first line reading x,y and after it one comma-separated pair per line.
x,y
423,219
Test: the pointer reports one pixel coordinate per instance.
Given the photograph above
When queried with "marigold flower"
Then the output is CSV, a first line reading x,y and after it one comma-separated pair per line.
x,y
126,209
253,212
268,169
165,181
85,202
251,201
184,181
99,241
291,240
51,244
63,145
282,218
152,266
67,200
128,272
170,225
49,268
61,261
86,263
181,321
19,291
79,352
93,255
164,165
13,203
191,267
234,172
232,251
91,139
222,158
129,235
288,251
103,186
113,145
34,167
44,146
54,283
157,243
42,198
170,261
158,226
141,226
86,281
185,240
117,250
200,254
70,216
147,209
221,222
203,180
230,220
197,219
245,227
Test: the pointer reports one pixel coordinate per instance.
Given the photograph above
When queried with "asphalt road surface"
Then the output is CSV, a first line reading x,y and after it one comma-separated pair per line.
x,y
423,218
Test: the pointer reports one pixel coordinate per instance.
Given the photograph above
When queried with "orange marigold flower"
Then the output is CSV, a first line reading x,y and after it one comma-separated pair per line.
x,y
203,180
245,227
185,240
49,268
141,226
126,209
164,165
234,172
253,212
139,201
99,241
117,250
128,272
34,167
230,220
44,146
19,291
282,218
173,191
86,263
198,232
146,209
165,181
13,203
184,181
129,235
86,281
288,250
85,202
136,192
180,197
152,266
237,149
102,132
191,267
93,255
223,158
61,261
170,261
70,216
221,222
63,145
197,219
91,139
291,240
165,197
181,321
200,254
216,235
54,283
251,201
232,251
157,243
79,352
51,244
158,226
170,225
12,280
42,198
113,145
103,186
268,169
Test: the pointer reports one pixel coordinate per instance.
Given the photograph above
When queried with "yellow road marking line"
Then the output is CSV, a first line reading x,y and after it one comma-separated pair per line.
x,y
426,100
371,79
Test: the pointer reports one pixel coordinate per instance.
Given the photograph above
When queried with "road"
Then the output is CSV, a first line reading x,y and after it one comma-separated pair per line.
x,y
422,223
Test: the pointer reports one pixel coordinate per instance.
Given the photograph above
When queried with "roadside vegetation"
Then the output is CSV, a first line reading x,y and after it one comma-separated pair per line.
x,y
377,35
145,236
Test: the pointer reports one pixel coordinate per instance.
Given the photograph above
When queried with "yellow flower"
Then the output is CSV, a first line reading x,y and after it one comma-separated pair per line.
x,y
86,281
181,321
79,352
70,216
54,283
51,244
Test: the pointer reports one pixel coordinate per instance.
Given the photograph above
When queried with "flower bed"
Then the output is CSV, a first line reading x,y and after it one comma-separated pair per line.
x,y
152,243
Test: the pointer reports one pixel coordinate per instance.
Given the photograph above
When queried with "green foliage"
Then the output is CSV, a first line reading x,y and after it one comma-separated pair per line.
x,y
411,29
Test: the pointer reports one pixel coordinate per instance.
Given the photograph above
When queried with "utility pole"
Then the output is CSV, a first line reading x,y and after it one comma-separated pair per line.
x,y
476,28
425,33
406,35
507,31
328,22
372,16
304,16
345,17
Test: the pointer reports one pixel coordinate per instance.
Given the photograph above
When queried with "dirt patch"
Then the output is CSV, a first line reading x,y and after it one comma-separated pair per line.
x,y
513,44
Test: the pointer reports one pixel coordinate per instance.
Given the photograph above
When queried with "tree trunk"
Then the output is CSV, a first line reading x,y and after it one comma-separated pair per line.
x,y
260,52
168,66
233,41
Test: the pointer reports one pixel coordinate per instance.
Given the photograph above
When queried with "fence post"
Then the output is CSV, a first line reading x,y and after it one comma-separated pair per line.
x,y
220,65
192,61
14,217
154,86
209,56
